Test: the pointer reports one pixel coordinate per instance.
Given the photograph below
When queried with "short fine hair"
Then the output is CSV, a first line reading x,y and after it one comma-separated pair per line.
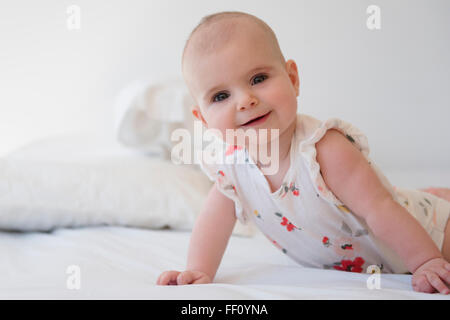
x,y
211,19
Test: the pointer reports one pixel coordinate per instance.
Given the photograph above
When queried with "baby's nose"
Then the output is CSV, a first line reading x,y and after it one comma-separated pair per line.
x,y
248,101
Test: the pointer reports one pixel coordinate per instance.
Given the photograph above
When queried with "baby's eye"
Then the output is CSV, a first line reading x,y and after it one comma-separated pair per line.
x,y
220,96
259,78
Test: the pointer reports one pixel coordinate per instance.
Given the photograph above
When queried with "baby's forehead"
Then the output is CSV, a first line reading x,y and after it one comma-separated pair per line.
x,y
218,35
238,37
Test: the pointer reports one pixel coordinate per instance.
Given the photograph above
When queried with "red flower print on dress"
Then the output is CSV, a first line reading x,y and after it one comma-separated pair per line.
x,y
346,246
289,226
323,189
285,222
221,174
231,149
285,189
351,266
230,186
294,190
326,242
276,243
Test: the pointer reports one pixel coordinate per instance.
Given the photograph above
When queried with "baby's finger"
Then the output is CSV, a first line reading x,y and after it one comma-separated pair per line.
x,y
185,277
159,281
192,277
443,274
168,278
420,283
437,283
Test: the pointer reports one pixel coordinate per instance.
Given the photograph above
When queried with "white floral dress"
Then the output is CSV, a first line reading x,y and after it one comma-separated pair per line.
x,y
304,219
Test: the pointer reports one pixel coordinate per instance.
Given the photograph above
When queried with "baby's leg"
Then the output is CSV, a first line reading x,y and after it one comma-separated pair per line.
x,y
443,193
446,244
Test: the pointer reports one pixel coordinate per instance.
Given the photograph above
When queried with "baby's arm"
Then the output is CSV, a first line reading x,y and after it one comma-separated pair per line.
x,y
208,242
351,178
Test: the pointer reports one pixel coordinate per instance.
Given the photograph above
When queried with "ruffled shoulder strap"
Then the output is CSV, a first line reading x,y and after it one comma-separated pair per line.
x,y
222,175
313,130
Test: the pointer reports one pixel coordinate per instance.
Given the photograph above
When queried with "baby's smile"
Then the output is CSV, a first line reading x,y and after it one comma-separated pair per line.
x,y
257,120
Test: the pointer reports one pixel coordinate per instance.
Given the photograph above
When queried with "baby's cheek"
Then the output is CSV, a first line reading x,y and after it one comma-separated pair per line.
x,y
284,99
221,120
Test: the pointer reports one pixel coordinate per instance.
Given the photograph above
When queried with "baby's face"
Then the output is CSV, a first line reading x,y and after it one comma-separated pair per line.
x,y
242,80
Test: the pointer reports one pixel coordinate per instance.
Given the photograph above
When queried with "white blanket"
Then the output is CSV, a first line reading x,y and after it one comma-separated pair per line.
x,y
124,263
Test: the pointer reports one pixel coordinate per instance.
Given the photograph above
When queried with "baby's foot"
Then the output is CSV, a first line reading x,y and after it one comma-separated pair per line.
x,y
443,193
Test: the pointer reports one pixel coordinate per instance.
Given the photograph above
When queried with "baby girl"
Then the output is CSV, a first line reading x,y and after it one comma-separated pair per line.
x,y
328,205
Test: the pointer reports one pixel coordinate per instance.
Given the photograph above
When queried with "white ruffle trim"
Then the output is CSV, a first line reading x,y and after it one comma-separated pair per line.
x,y
308,150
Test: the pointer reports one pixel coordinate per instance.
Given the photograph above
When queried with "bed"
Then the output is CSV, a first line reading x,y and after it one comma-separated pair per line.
x,y
85,218
123,263
97,215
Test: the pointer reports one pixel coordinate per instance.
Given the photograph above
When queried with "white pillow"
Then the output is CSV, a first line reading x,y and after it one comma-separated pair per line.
x,y
84,180
148,111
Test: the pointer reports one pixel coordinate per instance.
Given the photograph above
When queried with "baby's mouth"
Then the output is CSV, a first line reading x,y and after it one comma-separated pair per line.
x,y
257,120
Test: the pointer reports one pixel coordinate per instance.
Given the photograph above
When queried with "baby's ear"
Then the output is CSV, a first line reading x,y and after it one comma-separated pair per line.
x,y
198,114
291,69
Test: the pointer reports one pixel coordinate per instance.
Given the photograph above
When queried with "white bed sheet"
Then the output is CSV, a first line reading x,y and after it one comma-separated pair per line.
x,y
124,263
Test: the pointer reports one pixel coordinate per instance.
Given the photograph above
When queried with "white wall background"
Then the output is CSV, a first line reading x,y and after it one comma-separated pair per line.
x,y
393,83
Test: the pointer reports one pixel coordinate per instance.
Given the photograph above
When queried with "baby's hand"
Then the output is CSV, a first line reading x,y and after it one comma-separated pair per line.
x,y
432,276
181,278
